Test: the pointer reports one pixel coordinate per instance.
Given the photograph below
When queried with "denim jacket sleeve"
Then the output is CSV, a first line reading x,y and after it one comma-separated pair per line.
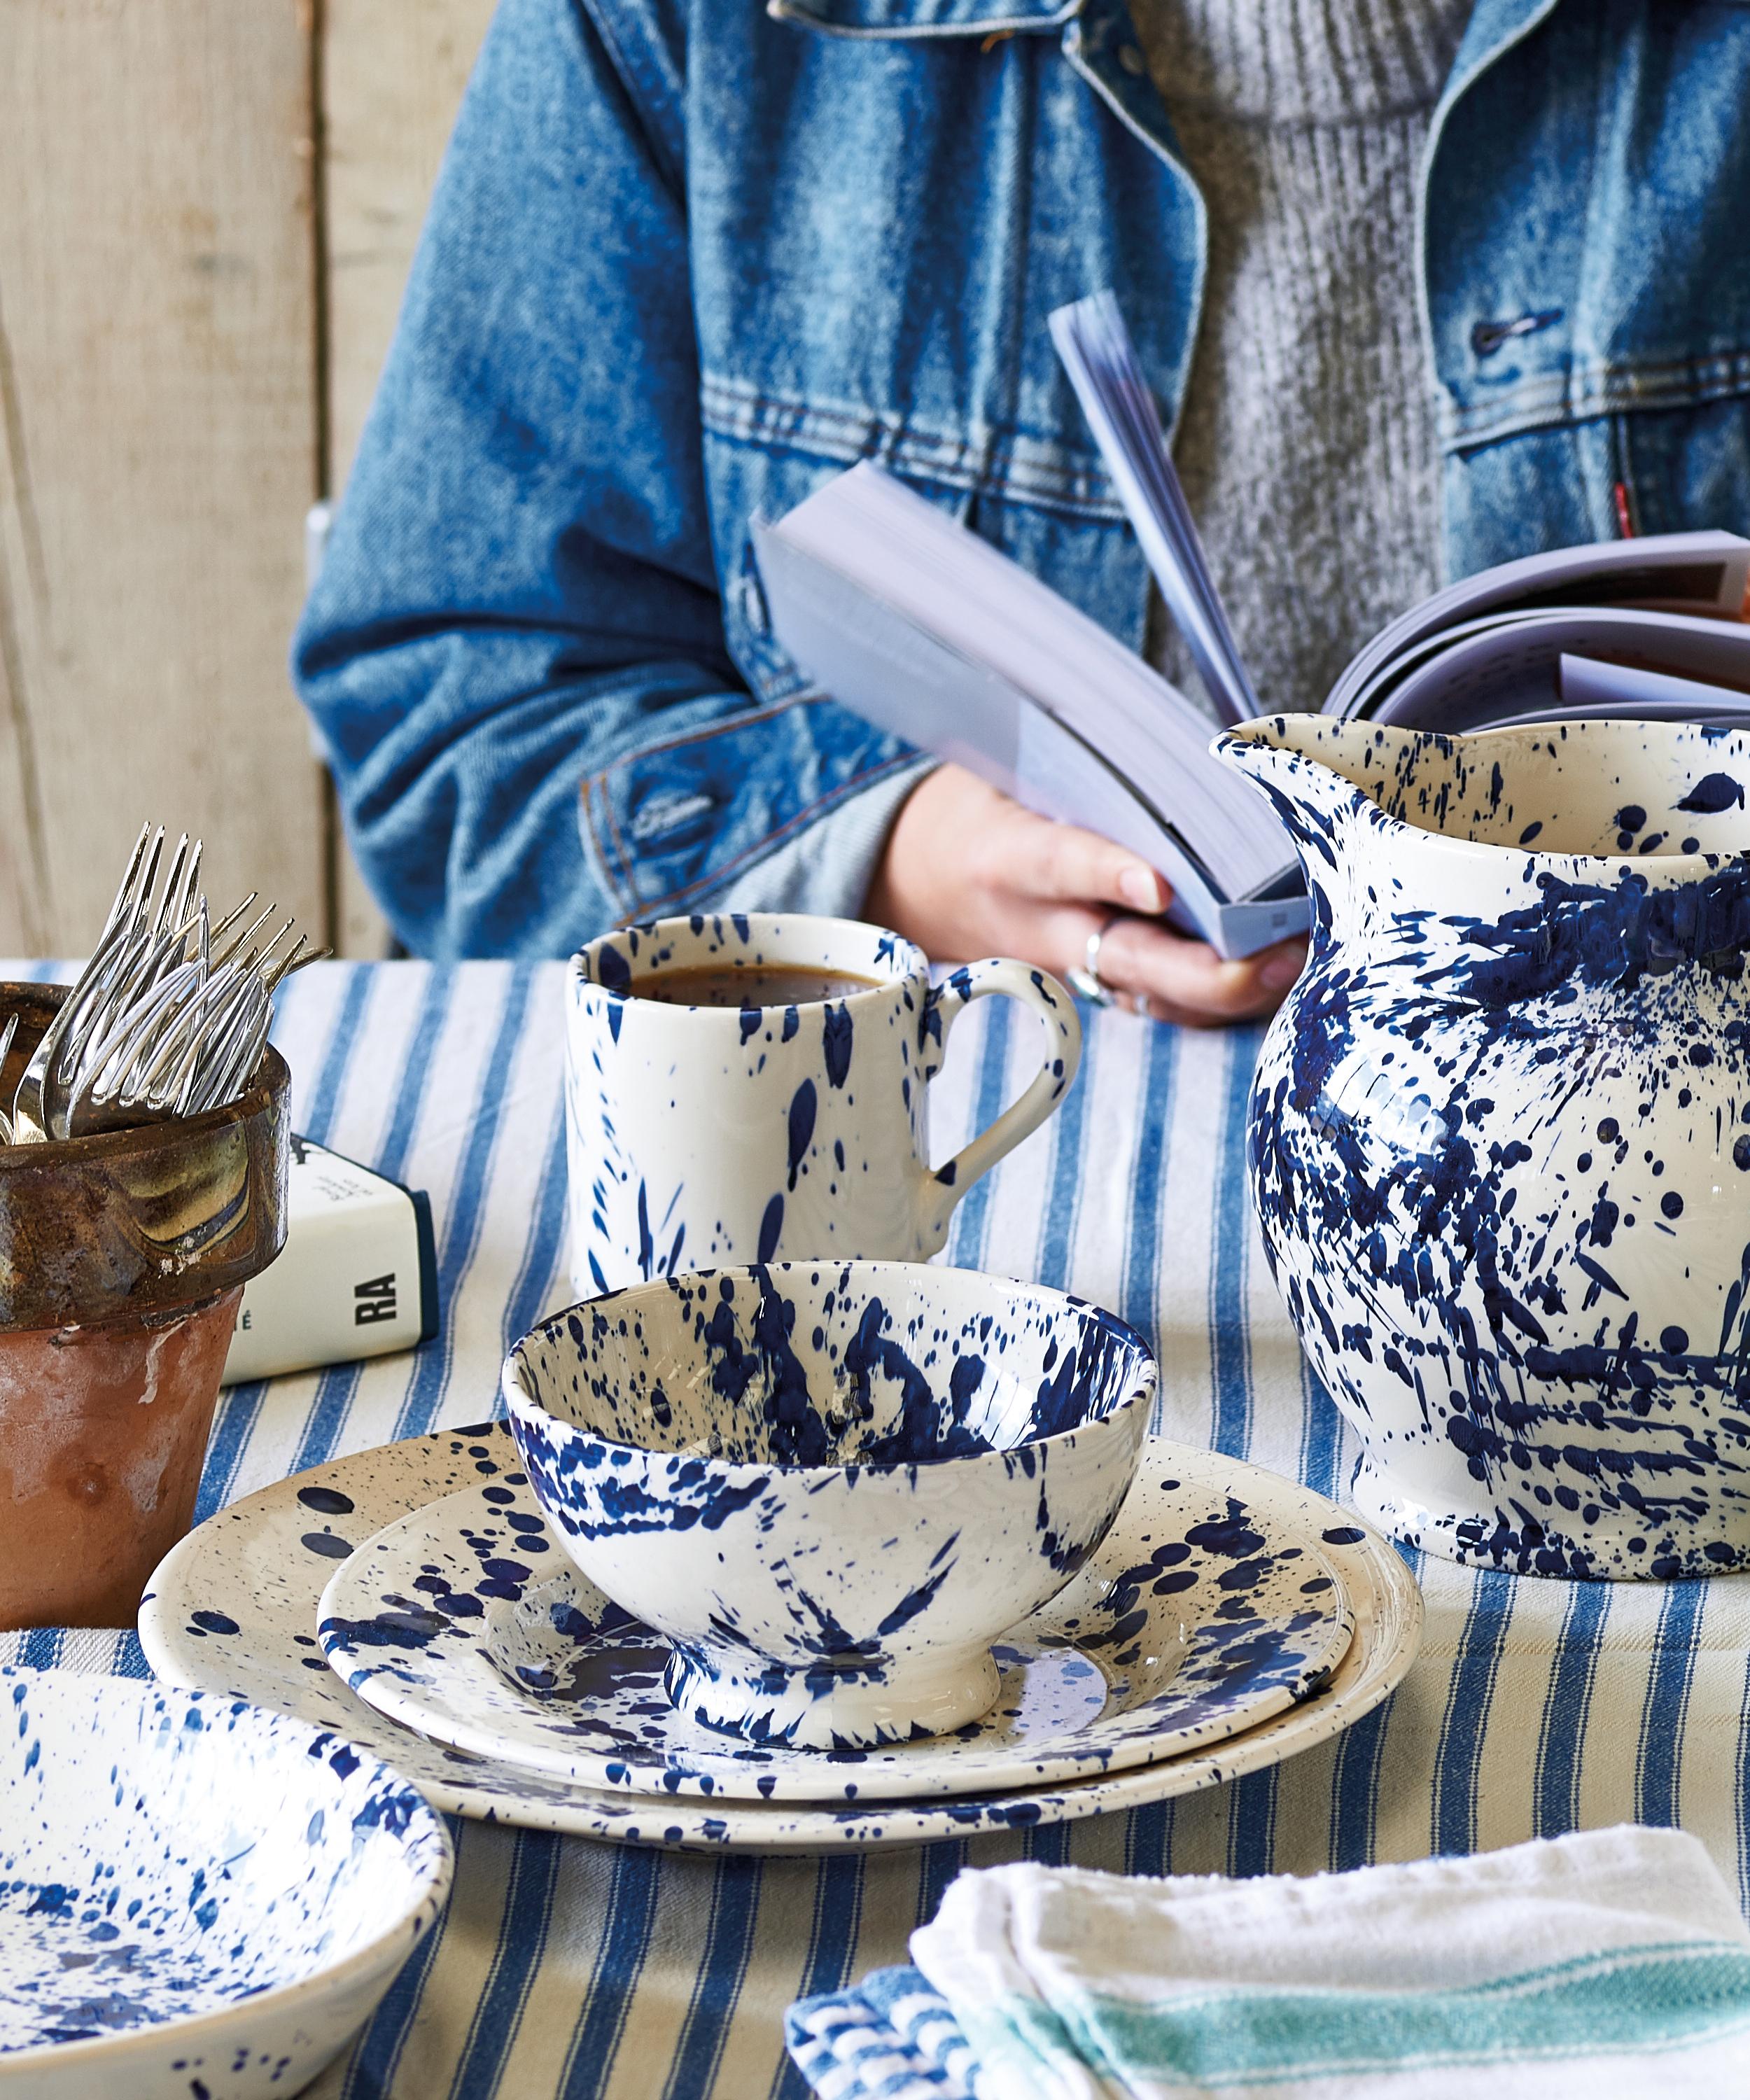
x,y
515,652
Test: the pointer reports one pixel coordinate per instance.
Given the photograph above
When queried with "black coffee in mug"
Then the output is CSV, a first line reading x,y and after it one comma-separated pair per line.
x,y
748,984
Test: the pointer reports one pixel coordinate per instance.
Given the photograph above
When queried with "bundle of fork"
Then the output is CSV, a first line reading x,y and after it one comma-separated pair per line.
x,y
170,1016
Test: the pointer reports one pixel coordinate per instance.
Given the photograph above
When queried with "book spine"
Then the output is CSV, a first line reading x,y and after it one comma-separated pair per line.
x,y
357,1277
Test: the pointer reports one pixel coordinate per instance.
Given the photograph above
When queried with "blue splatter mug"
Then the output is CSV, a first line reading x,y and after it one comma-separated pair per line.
x,y
708,1124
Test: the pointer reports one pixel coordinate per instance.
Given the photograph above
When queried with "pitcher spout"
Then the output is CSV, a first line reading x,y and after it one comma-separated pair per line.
x,y
1303,763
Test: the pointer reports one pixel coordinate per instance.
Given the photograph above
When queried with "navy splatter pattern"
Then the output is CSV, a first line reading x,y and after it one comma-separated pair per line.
x,y
1498,1132
241,1556
698,1136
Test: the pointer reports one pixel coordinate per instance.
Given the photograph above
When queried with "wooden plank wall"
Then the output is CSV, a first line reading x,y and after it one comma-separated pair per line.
x,y
206,214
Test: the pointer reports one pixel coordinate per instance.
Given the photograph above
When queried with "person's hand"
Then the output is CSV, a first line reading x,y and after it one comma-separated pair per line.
x,y
968,872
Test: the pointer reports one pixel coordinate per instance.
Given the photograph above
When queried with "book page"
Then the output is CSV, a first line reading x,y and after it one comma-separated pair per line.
x,y
1593,684
898,559
1097,354
1511,670
1702,574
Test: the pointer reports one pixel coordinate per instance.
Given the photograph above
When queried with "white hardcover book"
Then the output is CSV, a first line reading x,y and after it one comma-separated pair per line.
x,y
356,1277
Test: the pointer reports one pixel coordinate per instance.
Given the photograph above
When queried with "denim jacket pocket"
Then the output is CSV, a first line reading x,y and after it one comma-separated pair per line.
x,y
675,822
670,823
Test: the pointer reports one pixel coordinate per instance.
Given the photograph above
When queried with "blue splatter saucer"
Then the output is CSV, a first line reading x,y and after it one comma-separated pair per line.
x,y
464,1620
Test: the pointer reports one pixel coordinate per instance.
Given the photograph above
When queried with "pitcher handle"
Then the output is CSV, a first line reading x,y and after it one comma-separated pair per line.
x,y
1037,990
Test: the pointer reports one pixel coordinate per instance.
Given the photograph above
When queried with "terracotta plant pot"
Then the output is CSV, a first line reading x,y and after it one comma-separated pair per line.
x,y
122,1258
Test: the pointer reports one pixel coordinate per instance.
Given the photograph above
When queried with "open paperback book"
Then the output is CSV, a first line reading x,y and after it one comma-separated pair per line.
x,y
927,630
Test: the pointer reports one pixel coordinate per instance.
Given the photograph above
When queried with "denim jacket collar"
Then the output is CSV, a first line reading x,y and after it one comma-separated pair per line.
x,y
1494,27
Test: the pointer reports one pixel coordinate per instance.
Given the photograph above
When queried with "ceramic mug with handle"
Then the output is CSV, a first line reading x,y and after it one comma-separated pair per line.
x,y
755,1086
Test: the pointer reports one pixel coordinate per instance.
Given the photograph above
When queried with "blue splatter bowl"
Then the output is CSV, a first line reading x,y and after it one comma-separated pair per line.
x,y
198,1897
831,1485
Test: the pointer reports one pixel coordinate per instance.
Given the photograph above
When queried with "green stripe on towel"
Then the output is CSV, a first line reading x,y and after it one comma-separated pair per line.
x,y
1636,1999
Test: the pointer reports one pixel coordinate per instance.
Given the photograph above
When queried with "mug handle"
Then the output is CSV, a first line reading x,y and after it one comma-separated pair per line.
x,y
1038,990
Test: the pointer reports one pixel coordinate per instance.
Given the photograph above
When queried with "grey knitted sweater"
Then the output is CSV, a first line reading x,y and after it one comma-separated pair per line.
x,y
1306,442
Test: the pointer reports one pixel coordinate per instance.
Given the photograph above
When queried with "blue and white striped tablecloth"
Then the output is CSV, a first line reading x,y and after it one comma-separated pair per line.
x,y
564,1967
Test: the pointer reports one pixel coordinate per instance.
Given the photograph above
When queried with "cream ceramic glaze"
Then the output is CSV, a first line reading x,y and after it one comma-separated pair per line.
x,y
831,1485
1499,1134
702,1135
461,1621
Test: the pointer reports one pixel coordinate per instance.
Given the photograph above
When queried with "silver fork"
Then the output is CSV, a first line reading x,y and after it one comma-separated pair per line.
x,y
29,1103
40,1102
170,1015
194,1047
6,1034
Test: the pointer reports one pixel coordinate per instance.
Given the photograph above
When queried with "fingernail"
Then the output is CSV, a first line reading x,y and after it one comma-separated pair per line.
x,y
1280,971
1141,887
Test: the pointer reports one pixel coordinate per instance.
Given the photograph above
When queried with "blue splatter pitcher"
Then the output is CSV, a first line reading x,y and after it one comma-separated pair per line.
x,y
1500,1132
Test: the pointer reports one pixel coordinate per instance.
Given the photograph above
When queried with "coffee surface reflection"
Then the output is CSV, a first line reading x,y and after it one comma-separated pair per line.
x,y
748,984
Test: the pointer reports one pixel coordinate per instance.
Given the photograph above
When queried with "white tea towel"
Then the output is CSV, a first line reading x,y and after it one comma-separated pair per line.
x,y
1610,1963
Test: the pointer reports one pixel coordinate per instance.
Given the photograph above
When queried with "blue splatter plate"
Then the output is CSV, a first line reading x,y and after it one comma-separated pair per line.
x,y
233,1609
1201,1616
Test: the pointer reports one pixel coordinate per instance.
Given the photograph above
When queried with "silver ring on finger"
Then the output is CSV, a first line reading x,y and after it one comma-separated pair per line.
x,y
1086,982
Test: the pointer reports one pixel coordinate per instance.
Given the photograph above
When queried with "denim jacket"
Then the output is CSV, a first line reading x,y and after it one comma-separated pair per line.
x,y
686,259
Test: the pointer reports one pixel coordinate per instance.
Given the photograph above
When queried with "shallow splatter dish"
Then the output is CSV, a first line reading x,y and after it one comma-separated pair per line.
x,y
831,1486
197,1897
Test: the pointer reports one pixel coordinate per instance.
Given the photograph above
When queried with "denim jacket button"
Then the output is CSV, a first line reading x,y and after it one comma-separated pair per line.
x,y
750,602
